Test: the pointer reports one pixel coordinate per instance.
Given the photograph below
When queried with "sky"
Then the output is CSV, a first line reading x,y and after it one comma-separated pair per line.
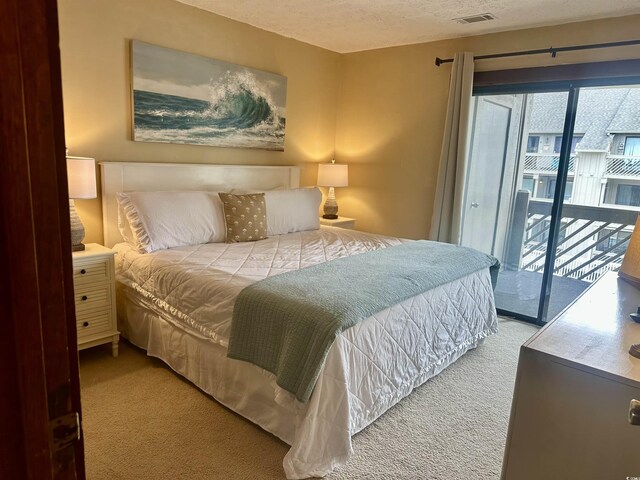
x,y
163,70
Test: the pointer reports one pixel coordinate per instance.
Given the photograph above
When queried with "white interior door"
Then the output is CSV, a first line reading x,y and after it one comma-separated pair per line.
x,y
487,157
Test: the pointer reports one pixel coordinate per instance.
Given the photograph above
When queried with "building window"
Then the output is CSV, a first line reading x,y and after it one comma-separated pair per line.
x,y
568,191
631,146
557,145
550,189
628,195
605,245
574,143
533,144
528,183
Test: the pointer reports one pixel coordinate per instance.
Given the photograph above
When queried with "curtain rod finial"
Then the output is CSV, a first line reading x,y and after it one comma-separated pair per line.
x,y
438,61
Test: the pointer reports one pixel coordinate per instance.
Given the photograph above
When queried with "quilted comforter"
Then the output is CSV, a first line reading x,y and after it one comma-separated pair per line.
x,y
287,323
369,368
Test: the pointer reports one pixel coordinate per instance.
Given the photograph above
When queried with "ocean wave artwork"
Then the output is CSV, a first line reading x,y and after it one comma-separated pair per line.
x,y
179,97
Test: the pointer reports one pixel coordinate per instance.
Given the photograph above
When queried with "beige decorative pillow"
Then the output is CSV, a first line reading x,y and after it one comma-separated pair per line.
x,y
246,217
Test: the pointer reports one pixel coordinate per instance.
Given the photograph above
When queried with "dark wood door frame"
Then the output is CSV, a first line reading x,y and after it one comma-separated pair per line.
x,y
38,355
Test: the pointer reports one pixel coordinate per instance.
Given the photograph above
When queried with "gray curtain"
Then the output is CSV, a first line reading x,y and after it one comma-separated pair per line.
x,y
447,211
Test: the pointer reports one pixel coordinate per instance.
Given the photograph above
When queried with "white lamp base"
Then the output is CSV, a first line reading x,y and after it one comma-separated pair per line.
x,y
77,229
330,208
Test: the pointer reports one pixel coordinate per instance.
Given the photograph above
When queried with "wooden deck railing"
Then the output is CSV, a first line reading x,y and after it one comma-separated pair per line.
x,y
589,243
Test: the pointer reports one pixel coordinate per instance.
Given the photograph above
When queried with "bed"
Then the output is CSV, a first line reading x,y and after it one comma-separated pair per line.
x,y
177,305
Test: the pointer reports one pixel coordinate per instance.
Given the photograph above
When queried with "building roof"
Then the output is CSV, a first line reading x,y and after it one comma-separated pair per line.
x,y
547,112
600,111
627,119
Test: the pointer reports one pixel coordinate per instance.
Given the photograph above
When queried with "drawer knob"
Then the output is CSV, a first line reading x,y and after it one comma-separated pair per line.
x,y
634,412
83,271
84,298
85,324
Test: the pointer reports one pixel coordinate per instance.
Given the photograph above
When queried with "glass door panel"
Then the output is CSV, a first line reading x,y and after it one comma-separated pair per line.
x,y
602,198
511,183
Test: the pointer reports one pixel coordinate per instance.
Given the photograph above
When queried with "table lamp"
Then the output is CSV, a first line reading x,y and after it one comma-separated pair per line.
x,y
81,176
332,175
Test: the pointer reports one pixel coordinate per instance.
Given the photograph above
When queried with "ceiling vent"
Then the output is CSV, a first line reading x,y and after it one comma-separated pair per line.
x,y
482,17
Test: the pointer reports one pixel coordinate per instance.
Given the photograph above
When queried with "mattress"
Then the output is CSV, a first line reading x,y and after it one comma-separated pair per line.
x,y
178,303
197,285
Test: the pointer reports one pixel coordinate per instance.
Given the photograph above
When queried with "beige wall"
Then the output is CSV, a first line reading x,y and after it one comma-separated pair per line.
x,y
383,110
94,44
391,115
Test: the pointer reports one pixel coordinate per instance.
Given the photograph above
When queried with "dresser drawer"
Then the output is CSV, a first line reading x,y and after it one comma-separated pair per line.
x,y
90,271
92,296
94,322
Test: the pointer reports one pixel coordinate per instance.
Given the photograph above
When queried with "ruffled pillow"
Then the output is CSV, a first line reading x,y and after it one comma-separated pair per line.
x,y
160,220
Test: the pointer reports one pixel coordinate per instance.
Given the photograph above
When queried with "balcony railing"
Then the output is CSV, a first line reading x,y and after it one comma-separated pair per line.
x,y
592,240
623,166
617,165
545,162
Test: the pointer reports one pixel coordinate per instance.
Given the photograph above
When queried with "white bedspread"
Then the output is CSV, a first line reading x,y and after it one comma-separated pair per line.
x,y
184,297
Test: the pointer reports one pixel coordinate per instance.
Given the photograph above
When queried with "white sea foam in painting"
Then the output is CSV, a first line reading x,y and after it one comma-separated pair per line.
x,y
212,136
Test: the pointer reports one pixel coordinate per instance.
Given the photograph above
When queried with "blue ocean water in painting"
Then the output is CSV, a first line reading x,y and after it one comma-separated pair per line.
x,y
237,115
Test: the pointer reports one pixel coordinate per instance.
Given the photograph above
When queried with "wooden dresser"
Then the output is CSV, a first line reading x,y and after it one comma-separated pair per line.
x,y
575,380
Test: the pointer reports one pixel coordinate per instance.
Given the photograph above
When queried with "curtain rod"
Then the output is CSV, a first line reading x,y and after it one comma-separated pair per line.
x,y
551,50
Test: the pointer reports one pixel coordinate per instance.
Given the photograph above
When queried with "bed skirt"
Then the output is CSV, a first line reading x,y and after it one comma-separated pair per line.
x,y
342,404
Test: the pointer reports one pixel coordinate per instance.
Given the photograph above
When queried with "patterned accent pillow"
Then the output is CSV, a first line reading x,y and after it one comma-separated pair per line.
x,y
246,217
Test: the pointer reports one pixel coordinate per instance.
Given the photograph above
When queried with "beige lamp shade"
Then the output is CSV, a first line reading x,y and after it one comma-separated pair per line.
x,y
630,268
81,175
333,175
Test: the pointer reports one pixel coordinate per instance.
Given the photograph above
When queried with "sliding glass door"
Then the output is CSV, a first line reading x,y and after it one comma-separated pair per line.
x,y
553,190
602,198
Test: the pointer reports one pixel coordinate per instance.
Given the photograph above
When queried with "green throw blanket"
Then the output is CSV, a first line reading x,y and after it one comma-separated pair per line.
x,y
287,323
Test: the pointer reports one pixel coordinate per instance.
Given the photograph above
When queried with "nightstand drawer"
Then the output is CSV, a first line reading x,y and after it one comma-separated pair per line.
x,y
94,322
92,297
91,271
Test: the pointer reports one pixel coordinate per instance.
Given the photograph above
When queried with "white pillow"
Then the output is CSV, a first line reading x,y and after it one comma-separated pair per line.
x,y
159,220
123,225
294,210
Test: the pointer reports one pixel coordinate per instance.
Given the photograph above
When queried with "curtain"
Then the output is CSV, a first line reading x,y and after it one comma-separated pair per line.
x,y
447,214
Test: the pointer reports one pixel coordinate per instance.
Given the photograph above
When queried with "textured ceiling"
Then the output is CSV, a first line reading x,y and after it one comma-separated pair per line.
x,y
354,25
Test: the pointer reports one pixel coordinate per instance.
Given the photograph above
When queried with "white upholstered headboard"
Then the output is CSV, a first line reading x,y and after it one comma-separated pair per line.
x,y
146,177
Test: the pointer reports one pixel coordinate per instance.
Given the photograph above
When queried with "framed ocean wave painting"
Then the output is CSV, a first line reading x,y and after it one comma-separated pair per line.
x,y
179,97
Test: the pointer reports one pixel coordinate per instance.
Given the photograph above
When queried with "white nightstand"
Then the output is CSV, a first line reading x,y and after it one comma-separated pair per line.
x,y
95,297
342,222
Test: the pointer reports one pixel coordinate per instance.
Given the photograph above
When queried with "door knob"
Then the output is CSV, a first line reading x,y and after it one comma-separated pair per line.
x,y
634,412
474,205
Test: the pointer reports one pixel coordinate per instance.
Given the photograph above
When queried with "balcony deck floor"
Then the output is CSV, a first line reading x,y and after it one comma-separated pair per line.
x,y
519,292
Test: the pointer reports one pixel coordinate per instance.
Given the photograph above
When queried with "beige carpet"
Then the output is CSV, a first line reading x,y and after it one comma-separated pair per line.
x,y
141,421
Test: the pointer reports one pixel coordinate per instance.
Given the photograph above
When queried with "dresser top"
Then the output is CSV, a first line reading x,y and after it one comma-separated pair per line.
x,y
595,332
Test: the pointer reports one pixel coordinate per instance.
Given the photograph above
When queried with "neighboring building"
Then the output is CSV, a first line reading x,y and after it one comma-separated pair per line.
x,y
604,171
606,139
